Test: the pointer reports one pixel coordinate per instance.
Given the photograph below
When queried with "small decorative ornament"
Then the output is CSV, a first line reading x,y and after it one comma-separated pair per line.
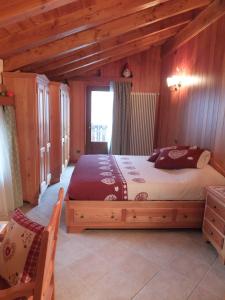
x,y
126,72
9,94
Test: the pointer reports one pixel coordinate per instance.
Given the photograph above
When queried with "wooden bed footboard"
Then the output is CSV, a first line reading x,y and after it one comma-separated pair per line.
x,y
81,215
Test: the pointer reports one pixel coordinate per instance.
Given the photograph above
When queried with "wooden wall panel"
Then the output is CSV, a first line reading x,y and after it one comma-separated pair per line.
x,y
196,113
145,67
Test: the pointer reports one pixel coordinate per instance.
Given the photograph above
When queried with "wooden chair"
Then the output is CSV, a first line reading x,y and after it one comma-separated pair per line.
x,y
42,288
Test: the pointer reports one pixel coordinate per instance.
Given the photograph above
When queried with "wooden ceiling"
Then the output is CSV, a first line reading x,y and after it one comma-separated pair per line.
x,y
68,38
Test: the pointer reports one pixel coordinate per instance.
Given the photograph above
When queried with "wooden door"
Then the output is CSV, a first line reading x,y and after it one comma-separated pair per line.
x,y
95,144
41,139
47,137
67,126
63,128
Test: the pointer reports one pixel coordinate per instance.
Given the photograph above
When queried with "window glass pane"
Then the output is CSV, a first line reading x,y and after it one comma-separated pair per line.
x,y
101,116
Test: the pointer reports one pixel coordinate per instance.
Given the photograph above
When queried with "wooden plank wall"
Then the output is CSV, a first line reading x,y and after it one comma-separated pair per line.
x,y
145,67
196,114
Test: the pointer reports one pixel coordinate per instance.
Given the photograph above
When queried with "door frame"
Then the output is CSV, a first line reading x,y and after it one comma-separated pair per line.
x,y
89,89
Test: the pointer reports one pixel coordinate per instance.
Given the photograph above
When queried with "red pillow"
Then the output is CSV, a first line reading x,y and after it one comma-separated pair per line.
x,y
157,151
182,159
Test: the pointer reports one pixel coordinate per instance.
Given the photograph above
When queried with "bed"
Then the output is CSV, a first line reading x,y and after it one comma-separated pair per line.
x,y
112,191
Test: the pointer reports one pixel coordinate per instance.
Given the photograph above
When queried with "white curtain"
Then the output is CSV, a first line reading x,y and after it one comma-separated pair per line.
x,y
7,202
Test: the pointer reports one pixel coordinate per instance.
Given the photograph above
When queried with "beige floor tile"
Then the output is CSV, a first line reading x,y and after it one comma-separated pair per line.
x,y
68,287
190,267
138,266
89,269
202,294
214,281
204,252
168,285
115,285
69,252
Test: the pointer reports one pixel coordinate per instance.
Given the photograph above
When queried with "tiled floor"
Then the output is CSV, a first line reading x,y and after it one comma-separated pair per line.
x,y
132,264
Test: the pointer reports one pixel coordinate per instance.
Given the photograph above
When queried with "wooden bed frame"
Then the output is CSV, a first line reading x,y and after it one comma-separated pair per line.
x,y
81,215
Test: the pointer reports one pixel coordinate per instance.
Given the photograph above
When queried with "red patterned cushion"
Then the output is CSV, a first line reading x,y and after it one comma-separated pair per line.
x,y
20,248
157,151
182,159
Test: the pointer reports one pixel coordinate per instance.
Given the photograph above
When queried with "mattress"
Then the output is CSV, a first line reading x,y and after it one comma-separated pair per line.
x,y
121,177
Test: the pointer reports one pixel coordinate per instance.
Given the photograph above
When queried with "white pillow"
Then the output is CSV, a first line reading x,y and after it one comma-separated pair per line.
x,y
203,159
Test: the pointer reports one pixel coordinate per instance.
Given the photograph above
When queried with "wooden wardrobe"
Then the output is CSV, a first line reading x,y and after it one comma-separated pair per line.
x,y
60,128
33,126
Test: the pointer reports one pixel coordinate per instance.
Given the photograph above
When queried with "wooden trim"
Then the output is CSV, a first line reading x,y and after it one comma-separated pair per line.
x,y
7,100
209,15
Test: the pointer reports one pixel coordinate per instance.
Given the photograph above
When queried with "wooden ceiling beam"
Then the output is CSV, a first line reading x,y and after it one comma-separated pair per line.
x,y
88,51
125,50
65,25
13,11
99,33
209,15
149,38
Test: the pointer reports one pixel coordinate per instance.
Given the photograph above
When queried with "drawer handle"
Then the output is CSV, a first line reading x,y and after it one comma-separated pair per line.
x,y
215,206
164,217
134,217
81,216
112,217
185,216
211,233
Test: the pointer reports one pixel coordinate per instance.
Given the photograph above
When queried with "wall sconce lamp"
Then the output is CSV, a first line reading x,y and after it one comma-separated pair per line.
x,y
174,82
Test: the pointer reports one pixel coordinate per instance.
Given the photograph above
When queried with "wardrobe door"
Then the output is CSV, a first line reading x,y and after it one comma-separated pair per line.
x,y
63,126
47,136
67,127
41,126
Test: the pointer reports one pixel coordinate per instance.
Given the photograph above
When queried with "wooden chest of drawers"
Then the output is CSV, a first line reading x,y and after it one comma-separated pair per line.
x,y
214,218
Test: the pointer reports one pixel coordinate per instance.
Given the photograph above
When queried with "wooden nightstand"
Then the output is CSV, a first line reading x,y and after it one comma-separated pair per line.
x,y
214,218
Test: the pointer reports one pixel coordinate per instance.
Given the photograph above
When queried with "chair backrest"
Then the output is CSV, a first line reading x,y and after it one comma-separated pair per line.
x,y
42,288
44,283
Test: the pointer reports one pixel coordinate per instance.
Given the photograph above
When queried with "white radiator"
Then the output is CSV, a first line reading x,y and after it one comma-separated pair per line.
x,y
143,118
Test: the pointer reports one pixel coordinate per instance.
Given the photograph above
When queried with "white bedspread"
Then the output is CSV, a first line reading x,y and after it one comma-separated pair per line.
x,y
144,182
